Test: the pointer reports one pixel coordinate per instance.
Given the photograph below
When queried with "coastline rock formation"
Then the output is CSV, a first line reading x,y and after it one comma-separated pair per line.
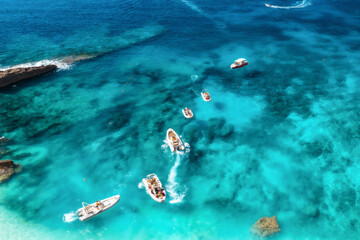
x,y
79,50
266,226
8,168
14,75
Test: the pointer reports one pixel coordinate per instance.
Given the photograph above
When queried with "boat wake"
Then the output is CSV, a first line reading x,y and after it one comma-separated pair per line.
x,y
60,65
165,146
303,4
70,217
141,185
173,187
195,8
187,147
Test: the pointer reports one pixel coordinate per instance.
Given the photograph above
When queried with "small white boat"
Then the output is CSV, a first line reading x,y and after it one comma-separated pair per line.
x,y
174,141
239,63
90,210
187,113
206,95
154,187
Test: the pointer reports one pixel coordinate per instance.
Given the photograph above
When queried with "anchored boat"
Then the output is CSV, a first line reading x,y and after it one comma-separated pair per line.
x,y
239,63
206,95
91,210
187,113
174,141
154,187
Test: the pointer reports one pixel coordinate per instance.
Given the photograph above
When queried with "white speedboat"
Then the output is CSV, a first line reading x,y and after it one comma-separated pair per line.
x,y
174,141
154,187
239,63
90,210
206,95
187,113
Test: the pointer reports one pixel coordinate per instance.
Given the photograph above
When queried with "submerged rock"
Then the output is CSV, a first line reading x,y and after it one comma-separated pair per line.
x,y
8,168
192,133
311,211
219,128
14,75
266,226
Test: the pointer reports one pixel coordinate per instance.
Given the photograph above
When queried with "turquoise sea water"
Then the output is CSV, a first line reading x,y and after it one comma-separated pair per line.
x,y
280,136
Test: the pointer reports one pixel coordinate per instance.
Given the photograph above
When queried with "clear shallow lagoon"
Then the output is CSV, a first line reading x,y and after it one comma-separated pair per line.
x,y
280,137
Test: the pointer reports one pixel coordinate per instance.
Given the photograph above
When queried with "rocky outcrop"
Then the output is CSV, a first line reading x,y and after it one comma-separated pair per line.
x,y
266,226
8,168
101,45
14,75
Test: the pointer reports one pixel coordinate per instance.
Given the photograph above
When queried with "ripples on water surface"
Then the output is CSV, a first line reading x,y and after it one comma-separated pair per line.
x,y
280,136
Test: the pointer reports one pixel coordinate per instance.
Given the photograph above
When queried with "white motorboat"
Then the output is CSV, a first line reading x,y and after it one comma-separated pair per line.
x,y
154,187
187,113
90,210
206,95
239,63
174,140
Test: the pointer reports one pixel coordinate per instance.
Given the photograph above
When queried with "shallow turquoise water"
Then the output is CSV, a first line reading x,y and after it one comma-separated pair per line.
x,y
280,136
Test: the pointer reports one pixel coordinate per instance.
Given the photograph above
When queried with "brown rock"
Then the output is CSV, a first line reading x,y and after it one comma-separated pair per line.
x,y
266,226
6,163
17,74
8,168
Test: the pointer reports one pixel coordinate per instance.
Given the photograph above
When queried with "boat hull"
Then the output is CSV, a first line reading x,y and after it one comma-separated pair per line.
x,y
187,115
152,195
91,210
234,66
169,135
205,99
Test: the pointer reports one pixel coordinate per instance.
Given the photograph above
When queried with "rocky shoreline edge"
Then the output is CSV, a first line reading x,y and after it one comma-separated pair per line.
x,y
7,169
14,75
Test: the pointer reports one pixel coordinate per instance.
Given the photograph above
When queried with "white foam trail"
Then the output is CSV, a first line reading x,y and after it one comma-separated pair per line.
x,y
201,12
303,4
70,217
165,146
61,65
173,187
141,185
187,147
193,6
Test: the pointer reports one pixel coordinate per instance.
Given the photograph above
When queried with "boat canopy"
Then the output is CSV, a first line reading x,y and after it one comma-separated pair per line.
x,y
240,60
